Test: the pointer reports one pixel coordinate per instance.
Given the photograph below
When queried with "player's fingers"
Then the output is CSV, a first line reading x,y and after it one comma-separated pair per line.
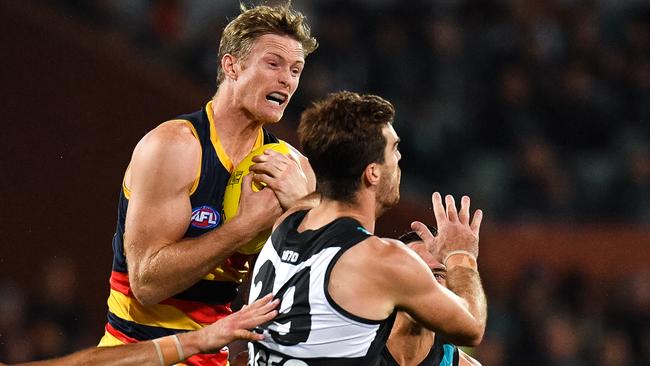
x,y
268,167
261,158
422,230
271,152
425,234
265,304
260,178
438,208
246,184
258,318
476,221
265,318
463,214
259,312
452,214
265,300
247,335
276,157
264,180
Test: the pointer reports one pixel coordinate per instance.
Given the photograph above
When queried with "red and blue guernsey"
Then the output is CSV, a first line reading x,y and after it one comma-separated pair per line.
x,y
207,300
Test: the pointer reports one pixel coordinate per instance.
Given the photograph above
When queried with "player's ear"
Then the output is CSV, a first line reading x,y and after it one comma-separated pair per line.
x,y
372,174
230,66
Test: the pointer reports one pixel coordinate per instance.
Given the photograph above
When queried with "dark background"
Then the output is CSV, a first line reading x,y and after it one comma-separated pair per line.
x,y
537,110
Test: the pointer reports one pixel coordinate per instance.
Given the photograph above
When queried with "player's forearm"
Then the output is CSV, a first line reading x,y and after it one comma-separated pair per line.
x,y
133,354
142,354
177,266
466,283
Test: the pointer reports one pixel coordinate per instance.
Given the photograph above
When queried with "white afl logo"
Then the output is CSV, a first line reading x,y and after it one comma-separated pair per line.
x,y
205,217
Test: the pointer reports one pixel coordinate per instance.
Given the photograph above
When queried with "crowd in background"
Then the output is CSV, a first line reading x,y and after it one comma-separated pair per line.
x,y
540,318
538,109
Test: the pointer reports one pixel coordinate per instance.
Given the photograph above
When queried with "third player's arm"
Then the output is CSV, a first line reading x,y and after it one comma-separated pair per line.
x,y
163,168
215,336
459,315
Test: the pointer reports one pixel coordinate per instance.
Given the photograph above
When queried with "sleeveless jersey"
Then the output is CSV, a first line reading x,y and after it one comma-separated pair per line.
x,y
311,329
441,354
207,300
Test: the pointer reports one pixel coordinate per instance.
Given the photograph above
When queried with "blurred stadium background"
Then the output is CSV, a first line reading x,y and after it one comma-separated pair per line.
x,y
539,110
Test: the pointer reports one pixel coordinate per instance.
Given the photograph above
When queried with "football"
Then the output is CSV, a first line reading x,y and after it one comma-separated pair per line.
x,y
233,192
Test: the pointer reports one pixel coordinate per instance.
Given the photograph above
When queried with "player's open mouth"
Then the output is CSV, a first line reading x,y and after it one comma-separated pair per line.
x,y
278,98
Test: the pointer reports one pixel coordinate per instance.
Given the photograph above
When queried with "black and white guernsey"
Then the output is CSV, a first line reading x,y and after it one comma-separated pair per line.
x,y
311,328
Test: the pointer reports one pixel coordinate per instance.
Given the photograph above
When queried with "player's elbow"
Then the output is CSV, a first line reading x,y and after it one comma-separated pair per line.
x,y
145,296
144,292
467,334
475,339
473,336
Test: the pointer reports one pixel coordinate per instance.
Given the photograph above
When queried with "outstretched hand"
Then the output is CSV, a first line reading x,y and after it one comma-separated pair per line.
x,y
237,325
455,229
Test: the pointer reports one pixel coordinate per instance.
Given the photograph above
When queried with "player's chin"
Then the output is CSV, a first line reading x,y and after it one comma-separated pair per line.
x,y
271,117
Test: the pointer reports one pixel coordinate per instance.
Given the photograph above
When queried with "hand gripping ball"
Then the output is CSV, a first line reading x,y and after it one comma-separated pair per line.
x,y
233,192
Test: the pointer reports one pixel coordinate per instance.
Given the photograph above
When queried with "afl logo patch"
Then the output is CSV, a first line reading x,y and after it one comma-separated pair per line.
x,y
205,217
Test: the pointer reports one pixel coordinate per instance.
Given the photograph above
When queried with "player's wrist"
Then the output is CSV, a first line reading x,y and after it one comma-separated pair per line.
x,y
239,229
193,342
169,350
461,258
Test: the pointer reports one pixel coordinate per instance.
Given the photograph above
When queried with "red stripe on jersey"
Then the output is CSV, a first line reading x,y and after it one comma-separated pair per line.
x,y
120,282
200,312
216,359
119,335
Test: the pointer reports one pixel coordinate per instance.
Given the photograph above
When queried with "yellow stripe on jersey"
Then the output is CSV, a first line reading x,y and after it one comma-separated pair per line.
x,y
125,189
159,315
216,142
195,185
108,340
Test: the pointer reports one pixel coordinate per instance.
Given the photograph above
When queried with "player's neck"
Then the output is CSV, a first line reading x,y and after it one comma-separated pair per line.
x,y
237,130
409,343
329,210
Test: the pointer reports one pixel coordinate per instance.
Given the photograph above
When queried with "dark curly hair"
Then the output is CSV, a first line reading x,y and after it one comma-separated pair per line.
x,y
340,136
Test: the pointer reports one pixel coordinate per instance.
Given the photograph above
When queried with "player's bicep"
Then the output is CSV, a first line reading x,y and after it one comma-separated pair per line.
x,y
162,172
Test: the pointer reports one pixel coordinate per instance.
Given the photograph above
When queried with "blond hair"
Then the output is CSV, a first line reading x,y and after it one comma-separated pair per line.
x,y
241,33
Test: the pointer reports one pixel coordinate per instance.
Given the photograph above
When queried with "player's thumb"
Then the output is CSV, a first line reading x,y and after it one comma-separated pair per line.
x,y
247,184
426,235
